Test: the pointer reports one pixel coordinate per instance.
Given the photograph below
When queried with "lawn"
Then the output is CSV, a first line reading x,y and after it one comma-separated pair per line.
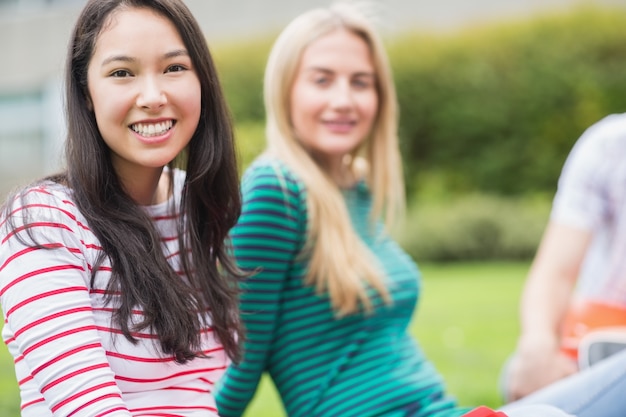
x,y
466,323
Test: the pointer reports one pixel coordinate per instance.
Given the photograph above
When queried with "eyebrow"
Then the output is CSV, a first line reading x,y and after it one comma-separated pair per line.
x,y
125,58
329,71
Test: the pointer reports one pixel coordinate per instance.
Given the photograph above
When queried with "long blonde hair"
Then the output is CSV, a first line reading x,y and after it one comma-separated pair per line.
x,y
340,263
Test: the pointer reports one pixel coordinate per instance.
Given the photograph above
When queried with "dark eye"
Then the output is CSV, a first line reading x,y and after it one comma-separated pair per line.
x,y
176,68
120,74
362,83
322,80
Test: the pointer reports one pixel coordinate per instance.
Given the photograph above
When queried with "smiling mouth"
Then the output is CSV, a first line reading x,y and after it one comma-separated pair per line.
x,y
340,122
152,129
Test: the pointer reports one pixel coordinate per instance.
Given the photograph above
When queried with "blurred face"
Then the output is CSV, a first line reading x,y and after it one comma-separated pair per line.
x,y
143,90
333,100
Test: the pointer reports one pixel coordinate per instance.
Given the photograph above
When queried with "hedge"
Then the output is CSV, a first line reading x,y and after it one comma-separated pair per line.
x,y
498,108
476,227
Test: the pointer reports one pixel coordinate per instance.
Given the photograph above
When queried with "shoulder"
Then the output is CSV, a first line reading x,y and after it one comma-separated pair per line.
x,y
599,150
607,136
40,214
44,200
267,173
270,188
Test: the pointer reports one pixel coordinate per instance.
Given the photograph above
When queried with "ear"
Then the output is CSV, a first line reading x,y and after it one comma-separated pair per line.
x,y
89,102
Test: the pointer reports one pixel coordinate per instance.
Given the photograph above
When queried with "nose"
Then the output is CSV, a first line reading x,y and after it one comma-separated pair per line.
x,y
151,96
342,95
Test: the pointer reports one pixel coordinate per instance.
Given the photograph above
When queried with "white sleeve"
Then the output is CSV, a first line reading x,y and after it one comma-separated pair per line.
x,y
581,197
49,322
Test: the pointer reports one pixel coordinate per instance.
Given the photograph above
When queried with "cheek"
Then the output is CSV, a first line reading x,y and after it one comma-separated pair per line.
x,y
190,100
370,105
108,106
306,104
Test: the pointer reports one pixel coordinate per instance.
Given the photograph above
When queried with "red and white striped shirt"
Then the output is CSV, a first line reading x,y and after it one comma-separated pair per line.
x,y
69,361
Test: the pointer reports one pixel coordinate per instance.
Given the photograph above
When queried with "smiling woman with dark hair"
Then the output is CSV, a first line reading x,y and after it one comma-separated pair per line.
x,y
109,279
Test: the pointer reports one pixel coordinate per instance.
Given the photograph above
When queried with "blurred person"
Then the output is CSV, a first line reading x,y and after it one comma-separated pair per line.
x,y
118,292
327,307
577,283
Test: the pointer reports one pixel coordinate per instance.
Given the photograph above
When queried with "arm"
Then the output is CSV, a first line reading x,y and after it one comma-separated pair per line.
x,y
581,208
545,300
49,325
267,238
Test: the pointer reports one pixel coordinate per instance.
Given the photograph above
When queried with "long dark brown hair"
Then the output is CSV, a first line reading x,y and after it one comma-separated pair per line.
x,y
210,206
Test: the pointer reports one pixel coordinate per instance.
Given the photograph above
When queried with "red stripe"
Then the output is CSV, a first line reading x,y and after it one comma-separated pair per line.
x,y
51,317
33,225
57,336
18,254
90,245
111,310
95,400
149,409
191,372
82,393
167,217
207,381
138,359
133,334
173,255
25,380
156,360
113,410
28,404
198,390
73,374
44,295
32,249
65,355
62,210
39,272
103,292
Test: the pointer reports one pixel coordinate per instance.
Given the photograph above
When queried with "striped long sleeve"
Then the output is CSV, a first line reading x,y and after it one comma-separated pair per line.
x,y
267,239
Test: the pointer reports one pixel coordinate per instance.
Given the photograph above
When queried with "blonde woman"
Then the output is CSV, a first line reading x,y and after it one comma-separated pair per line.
x,y
327,308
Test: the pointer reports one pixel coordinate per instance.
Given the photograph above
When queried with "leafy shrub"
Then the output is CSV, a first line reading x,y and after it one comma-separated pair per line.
x,y
475,227
497,108
241,68
250,142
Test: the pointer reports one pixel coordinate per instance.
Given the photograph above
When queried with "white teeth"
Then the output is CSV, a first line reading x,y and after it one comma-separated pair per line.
x,y
152,129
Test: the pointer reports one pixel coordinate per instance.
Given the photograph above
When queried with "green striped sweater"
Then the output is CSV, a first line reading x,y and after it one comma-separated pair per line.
x,y
359,365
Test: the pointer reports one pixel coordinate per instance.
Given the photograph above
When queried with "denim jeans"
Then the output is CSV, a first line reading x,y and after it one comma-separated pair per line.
x,y
598,391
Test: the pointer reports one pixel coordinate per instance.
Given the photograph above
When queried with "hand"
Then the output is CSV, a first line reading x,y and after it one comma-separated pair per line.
x,y
531,369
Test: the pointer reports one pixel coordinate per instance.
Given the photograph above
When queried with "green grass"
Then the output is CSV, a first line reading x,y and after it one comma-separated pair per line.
x,y
466,323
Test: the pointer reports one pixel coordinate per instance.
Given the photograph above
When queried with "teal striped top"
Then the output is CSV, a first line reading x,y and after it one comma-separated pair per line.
x,y
322,366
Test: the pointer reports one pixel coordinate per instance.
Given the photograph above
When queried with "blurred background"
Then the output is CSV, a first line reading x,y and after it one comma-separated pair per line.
x,y
493,95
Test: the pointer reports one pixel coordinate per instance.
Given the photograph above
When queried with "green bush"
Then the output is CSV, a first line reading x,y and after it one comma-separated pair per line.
x,y
474,227
240,67
250,140
498,108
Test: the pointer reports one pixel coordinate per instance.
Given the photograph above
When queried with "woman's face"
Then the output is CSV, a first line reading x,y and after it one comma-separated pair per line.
x,y
143,90
334,100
